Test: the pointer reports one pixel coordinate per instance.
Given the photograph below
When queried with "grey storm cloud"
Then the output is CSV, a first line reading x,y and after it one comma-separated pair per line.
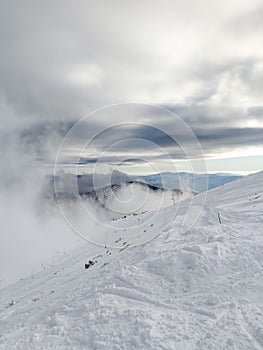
x,y
61,61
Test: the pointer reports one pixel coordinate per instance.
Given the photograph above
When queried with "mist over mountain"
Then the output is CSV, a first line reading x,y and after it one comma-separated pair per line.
x,y
117,193
196,182
66,183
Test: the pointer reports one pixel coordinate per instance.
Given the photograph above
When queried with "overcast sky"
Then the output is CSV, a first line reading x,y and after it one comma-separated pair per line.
x,y
199,61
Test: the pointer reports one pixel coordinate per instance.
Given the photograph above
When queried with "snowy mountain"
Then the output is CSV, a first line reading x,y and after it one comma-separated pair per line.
x,y
174,278
135,197
69,185
123,195
182,180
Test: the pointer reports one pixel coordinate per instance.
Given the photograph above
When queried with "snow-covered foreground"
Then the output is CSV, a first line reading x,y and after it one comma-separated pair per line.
x,y
200,289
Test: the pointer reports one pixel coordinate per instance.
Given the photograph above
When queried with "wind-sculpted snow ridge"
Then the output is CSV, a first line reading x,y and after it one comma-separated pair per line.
x,y
201,289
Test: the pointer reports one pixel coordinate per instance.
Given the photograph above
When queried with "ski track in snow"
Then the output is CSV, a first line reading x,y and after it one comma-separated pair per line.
x,y
196,290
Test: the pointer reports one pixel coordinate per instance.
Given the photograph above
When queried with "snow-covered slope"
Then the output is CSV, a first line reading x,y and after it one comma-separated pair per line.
x,y
195,289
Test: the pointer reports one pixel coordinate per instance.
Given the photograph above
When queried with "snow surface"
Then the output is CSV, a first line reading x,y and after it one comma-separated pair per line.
x,y
200,288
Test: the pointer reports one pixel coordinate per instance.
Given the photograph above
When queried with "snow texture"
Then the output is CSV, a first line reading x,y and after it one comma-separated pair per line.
x,y
199,289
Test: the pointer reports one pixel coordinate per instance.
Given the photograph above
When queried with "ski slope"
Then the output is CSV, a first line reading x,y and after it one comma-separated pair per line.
x,y
200,288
